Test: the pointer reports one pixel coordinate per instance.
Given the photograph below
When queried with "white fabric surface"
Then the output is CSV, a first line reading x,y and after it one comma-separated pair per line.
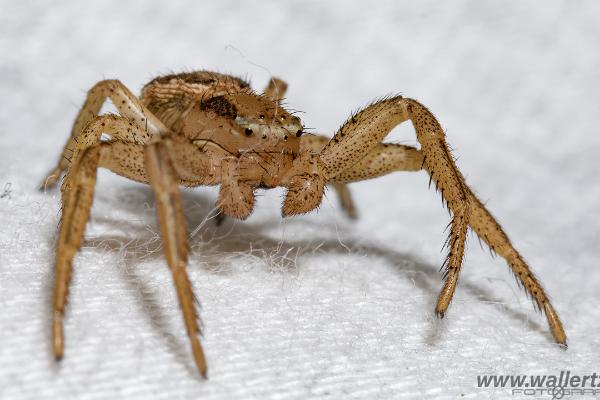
x,y
314,306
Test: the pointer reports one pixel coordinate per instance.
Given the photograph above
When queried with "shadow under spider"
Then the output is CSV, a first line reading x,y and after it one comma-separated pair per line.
x,y
234,236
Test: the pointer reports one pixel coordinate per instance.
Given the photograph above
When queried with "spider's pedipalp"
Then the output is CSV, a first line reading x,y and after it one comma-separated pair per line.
x,y
236,198
314,144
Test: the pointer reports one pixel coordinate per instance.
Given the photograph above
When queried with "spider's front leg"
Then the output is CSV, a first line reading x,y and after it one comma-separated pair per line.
x,y
165,183
355,153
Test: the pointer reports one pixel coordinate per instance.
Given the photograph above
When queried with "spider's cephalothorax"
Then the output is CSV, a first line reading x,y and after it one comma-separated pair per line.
x,y
206,128
224,118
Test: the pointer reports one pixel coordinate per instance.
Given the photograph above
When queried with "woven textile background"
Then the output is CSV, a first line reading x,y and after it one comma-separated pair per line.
x,y
315,306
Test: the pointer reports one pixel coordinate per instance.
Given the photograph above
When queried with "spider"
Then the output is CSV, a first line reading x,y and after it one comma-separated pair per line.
x,y
207,128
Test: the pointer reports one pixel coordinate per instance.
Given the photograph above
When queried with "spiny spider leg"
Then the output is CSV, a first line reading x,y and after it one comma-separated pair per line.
x,y
123,155
355,148
126,103
165,184
488,229
77,196
381,160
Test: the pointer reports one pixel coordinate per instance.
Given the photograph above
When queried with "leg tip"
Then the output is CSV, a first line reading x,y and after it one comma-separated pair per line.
x,y
564,345
440,310
58,351
50,180
352,215
44,185
57,338
199,359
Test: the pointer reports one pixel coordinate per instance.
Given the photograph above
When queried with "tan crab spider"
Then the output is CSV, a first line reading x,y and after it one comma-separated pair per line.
x,y
206,128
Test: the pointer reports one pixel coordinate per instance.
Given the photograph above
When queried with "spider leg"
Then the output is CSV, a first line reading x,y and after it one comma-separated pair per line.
x,y
126,103
77,195
365,130
448,179
355,154
381,160
164,181
488,229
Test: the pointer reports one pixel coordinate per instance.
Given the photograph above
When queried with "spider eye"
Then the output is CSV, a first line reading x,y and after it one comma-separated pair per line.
x,y
248,131
299,133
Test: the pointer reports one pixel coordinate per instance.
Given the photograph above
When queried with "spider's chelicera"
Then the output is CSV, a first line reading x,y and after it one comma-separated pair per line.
x,y
206,128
